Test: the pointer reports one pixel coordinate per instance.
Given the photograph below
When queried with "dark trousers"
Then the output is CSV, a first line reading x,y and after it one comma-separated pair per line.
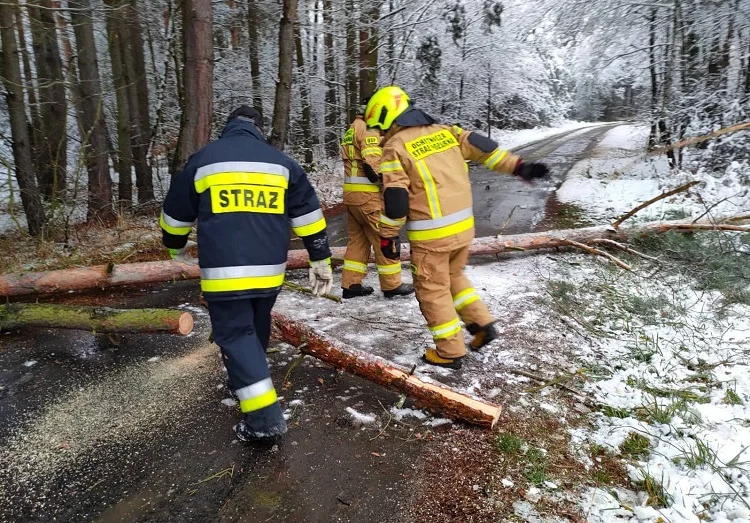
x,y
242,329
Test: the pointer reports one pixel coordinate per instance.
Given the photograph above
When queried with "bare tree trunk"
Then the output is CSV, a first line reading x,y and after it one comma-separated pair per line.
x,y
195,132
124,150
134,63
368,49
284,82
91,116
36,125
331,114
53,105
253,25
25,175
352,61
307,133
653,138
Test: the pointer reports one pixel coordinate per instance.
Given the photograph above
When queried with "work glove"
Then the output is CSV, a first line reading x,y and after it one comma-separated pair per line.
x,y
182,255
321,277
391,248
531,171
371,174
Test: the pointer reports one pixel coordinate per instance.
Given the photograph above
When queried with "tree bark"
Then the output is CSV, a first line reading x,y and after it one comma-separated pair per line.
x,y
368,49
35,129
254,28
134,64
91,116
105,276
307,132
283,96
352,59
19,127
51,130
98,319
197,117
114,20
433,397
331,137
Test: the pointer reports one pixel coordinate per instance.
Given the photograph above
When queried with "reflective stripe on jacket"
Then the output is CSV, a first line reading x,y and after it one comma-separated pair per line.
x,y
360,144
429,161
245,195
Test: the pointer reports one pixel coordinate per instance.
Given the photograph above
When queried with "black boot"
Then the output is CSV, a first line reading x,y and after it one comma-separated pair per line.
x,y
482,335
402,290
356,290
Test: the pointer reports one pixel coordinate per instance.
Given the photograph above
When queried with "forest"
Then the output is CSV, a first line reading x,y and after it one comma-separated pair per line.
x,y
105,100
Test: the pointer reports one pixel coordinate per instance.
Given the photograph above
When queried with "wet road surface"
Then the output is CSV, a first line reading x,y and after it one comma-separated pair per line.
x,y
496,195
132,428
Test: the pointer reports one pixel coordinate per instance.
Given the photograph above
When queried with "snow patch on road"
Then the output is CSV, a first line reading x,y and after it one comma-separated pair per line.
x,y
513,139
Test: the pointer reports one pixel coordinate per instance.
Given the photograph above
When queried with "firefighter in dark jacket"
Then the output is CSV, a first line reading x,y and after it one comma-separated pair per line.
x,y
245,194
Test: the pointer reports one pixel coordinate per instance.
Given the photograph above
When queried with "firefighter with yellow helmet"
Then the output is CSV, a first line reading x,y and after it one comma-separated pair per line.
x,y
361,152
426,188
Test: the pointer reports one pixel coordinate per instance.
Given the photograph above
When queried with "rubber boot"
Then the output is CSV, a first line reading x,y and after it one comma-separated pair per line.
x,y
356,290
402,290
433,358
482,335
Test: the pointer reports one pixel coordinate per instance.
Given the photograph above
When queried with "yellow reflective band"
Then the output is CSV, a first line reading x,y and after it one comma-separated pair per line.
x,y
441,232
457,130
446,330
495,158
358,187
389,269
385,220
309,230
434,143
258,402
229,178
355,164
242,284
372,151
429,187
465,298
354,266
391,167
177,231
247,198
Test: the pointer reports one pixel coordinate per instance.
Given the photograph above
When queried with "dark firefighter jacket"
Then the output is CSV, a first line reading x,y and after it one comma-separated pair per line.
x,y
245,194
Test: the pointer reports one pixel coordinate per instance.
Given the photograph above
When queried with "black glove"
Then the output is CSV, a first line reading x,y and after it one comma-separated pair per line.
x,y
391,248
371,174
530,171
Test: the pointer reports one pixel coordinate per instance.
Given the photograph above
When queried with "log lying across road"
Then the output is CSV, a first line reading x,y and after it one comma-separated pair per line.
x,y
97,319
433,397
101,276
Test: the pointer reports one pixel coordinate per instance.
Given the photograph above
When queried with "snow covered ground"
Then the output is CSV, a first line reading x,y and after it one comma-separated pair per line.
x,y
619,175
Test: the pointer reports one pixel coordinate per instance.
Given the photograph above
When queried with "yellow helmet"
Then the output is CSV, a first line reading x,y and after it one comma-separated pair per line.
x,y
385,106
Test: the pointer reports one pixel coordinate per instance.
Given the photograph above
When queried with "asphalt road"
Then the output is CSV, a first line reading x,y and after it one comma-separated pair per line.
x,y
133,428
496,195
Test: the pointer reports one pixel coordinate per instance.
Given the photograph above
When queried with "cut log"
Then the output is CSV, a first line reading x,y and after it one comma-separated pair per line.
x,y
97,319
64,280
433,397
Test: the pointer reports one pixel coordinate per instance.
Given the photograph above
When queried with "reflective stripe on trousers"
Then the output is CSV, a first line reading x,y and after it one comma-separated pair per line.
x,y
458,222
257,396
242,277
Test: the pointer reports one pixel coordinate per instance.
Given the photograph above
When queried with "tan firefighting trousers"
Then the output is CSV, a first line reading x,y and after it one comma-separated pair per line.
x,y
444,293
363,234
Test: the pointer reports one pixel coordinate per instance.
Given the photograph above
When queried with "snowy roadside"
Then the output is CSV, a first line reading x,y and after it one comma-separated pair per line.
x,y
619,175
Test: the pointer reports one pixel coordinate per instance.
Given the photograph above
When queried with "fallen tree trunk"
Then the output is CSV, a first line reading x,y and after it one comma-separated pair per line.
x,y
23,284
435,398
96,319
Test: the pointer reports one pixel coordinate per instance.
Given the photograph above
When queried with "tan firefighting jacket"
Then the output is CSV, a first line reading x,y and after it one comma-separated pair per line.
x,y
429,162
360,144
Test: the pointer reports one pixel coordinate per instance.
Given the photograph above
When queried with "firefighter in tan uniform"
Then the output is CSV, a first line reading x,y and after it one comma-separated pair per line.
x,y
361,152
426,187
